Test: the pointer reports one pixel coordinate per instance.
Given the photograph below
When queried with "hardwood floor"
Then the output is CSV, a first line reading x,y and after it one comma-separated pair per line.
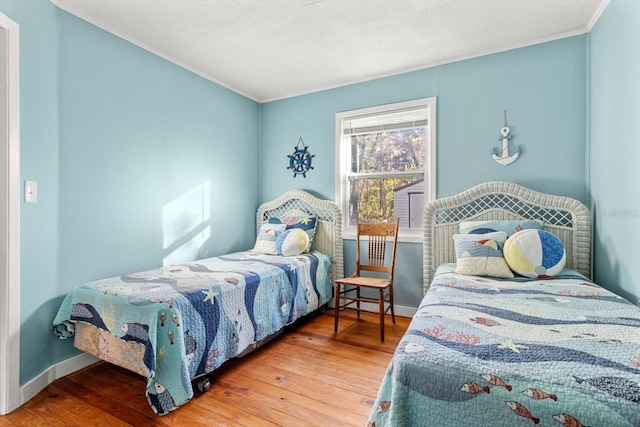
x,y
308,376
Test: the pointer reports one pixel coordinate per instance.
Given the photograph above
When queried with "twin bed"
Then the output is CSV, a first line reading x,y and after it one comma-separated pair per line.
x,y
480,350
176,324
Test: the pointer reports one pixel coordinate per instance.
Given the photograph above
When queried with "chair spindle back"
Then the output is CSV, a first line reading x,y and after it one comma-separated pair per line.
x,y
378,235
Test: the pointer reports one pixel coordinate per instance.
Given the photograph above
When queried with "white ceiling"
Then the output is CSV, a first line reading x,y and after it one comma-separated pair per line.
x,y
273,49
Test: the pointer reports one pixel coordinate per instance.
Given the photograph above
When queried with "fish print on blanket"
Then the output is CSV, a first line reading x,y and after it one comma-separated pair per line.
x,y
534,393
619,387
384,406
139,333
474,388
162,402
568,421
413,377
190,346
520,410
136,332
86,313
485,321
497,381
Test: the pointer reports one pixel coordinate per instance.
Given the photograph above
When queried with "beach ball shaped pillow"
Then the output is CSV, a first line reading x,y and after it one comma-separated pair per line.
x,y
292,242
538,254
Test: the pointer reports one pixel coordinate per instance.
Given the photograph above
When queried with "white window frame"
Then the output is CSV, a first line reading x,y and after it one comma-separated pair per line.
x,y
343,160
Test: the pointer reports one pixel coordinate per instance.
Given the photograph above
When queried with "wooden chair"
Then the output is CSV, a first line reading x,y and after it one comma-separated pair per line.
x,y
375,260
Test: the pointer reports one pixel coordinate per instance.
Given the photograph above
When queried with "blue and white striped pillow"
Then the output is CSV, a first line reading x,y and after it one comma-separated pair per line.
x,y
481,255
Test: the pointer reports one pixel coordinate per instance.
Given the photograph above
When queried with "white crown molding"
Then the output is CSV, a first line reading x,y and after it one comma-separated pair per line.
x,y
596,16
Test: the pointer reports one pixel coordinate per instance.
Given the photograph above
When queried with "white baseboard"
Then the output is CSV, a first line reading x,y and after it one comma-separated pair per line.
x,y
400,310
59,370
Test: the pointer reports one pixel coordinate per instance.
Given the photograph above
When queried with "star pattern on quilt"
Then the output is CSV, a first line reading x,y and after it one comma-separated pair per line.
x,y
512,346
210,295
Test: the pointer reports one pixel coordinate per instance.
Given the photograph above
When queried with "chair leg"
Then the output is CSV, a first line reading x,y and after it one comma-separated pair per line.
x,y
381,301
358,300
336,305
393,314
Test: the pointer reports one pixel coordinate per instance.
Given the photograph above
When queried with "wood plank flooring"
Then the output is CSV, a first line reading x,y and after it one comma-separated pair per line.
x,y
308,376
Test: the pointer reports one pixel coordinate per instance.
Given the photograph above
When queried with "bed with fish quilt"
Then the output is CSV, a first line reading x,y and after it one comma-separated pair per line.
x,y
515,352
188,319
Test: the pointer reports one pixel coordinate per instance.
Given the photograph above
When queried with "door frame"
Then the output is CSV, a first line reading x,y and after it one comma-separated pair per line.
x,y
10,393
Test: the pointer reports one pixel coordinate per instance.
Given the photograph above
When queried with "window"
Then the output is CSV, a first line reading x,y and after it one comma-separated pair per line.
x,y
386,164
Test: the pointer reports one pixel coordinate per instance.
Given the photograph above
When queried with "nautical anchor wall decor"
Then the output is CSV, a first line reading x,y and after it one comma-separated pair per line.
x,y
504,158
300,159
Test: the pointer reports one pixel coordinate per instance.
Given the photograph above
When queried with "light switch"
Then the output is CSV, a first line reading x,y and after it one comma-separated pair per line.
x,y
30,191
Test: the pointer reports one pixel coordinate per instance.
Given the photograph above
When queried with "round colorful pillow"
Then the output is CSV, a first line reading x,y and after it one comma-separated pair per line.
x,y
292,242
538,254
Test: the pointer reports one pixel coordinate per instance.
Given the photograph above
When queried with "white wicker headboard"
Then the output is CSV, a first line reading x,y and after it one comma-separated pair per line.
x,y
565,217
328,238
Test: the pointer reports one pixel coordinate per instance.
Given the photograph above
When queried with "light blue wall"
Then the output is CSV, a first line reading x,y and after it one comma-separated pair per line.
x,y
114,134
614,117
542,87
39,148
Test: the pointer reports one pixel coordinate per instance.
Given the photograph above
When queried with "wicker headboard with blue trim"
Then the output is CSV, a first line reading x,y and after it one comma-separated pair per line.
x,y
567,218
328,238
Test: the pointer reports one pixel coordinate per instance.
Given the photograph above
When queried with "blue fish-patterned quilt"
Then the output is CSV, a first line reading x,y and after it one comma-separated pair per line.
x,y
191,318
495,352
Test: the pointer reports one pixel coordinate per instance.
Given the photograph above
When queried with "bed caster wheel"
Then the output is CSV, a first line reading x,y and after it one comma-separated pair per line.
x,y
203,385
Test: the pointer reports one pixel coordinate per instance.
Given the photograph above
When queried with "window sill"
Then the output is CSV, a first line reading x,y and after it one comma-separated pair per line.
x,y
402,237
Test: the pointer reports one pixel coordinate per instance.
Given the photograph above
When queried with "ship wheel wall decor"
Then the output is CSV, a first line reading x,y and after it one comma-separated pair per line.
x,y
300,159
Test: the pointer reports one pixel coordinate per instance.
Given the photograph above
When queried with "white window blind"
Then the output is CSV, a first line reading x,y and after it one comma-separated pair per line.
x,y
395,120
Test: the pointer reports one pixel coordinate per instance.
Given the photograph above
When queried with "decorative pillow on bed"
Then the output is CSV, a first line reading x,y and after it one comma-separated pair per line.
x,y
266,241
292,242
481,255
305,223
509,227
538,254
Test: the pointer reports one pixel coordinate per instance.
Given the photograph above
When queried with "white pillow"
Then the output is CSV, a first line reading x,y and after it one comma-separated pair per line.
x,y
481,255
266,240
